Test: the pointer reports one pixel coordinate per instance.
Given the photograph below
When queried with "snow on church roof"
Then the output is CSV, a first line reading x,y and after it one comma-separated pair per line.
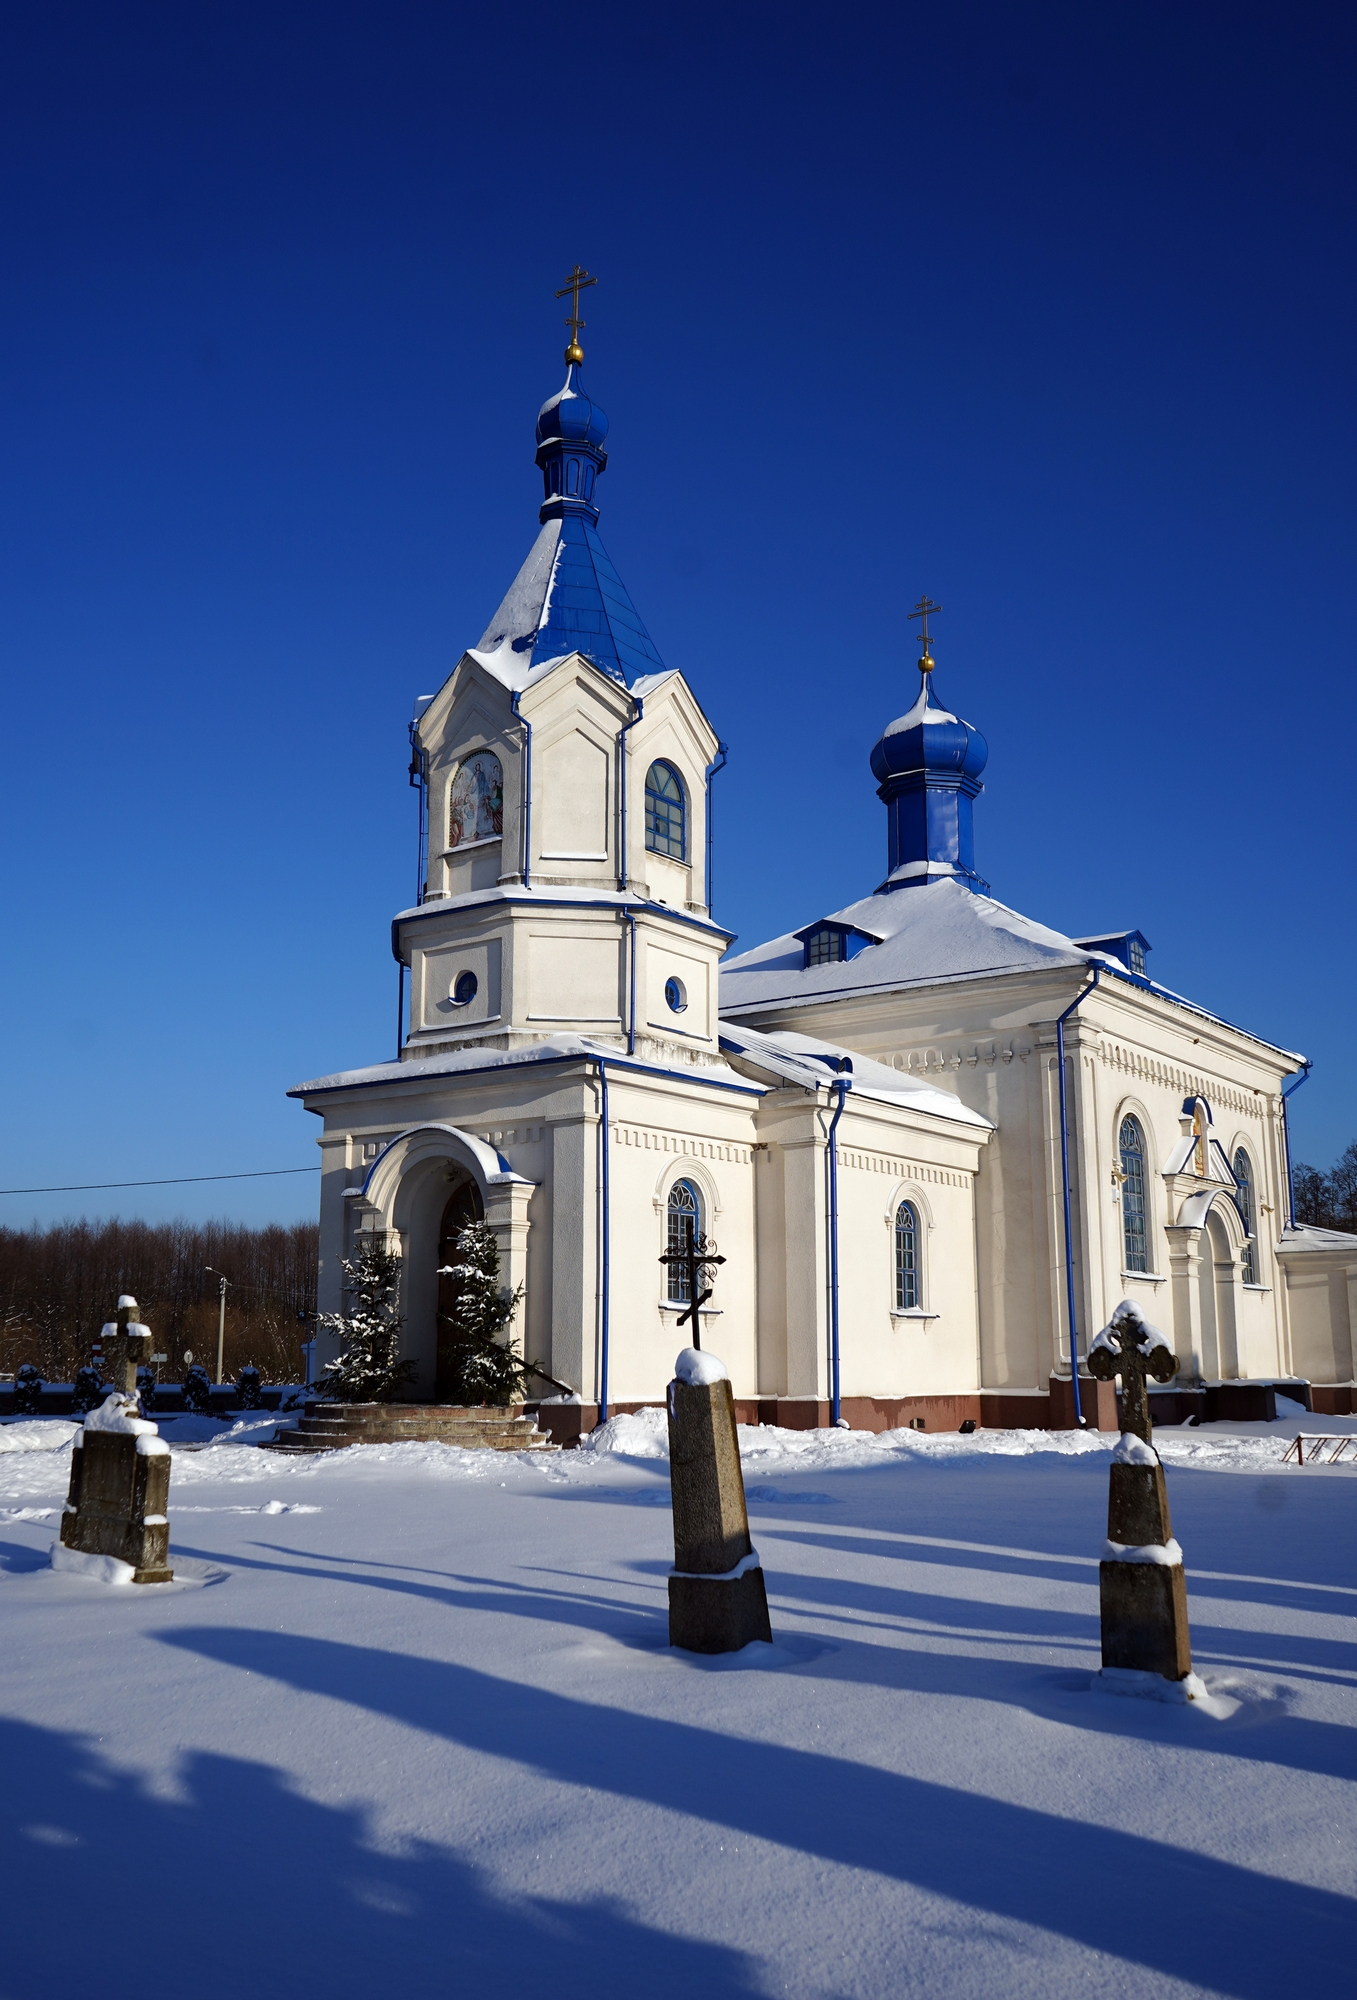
x,y
942,930
931,934
567,598
805,1060
552,1048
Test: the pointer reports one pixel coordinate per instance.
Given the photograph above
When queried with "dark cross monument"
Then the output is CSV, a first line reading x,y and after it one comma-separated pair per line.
x,y
717,1599
694,1259
1142,1588
120,1469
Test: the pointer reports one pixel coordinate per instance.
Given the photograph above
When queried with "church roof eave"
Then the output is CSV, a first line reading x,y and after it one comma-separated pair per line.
x,y
561,895
809,1062
941,935
472,1062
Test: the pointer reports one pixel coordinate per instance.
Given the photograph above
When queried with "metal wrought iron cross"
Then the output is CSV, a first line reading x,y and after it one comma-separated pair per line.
x,y
575,284
693,1258
925,609
1130,1347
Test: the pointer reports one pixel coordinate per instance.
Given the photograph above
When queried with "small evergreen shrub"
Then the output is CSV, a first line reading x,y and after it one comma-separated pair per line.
x,y
88,1390
27,1391
485,1364
249,1388
369,1368
146,1386
197,1390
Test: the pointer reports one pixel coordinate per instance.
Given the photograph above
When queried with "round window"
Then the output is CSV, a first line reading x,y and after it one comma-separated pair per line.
x,y
675,995
464,990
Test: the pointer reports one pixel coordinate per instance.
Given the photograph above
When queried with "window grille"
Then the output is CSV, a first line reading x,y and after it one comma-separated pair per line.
x,y
1243,1174
826,946
666,812
906,1258
684,1226
1134,1237
1135,956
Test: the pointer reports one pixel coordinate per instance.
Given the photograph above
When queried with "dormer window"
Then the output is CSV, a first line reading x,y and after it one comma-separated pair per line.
x,y
830,943
1129,946
826,946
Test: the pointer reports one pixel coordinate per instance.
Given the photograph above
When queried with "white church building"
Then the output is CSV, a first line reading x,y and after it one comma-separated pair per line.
x,y
923,1212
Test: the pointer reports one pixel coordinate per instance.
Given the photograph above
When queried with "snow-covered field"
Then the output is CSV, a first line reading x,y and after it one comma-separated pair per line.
x,y
408,1724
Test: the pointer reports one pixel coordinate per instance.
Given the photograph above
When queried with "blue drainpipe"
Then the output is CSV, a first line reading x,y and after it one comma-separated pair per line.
x,y
622,758
631,968
1306,1067
1096,970
527,793
713,770
843,1084
607,1254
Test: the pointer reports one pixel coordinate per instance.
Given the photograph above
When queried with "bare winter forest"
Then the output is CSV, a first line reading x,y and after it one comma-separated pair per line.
x,y
59,1285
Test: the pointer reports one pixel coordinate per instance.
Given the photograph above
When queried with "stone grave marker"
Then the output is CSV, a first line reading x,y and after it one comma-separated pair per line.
x,y
116,1520
717,1599
1142,1587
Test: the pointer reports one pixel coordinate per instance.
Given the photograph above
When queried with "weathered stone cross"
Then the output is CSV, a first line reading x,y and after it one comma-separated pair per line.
x,y
1130,1347
127,1347
1142,1589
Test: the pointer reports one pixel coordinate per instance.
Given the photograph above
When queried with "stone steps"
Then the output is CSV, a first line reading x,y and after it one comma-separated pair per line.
x,y
334,1426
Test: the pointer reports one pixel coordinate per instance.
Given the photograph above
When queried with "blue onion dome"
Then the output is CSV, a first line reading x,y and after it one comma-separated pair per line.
x,y
571,416
929,738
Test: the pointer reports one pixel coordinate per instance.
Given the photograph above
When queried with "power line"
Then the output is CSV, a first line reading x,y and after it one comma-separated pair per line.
x,y
176,1180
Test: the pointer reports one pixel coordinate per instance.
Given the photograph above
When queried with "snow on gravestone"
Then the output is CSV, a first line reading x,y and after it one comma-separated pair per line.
x,y
717,1599
1142,1588
116,1521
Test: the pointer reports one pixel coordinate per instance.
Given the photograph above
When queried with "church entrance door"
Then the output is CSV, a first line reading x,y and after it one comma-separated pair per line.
x,y
464,1206
1219,1360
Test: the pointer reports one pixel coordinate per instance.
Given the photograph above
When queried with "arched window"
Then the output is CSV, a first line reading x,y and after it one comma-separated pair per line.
x,y
476,801
906,1257
666,812
683,1226
1243,1174
1135,1239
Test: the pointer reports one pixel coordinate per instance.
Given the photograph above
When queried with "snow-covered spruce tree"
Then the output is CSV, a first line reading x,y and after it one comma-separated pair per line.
x,y
485,1367
27,1391
88,1389
198,1390
369,1368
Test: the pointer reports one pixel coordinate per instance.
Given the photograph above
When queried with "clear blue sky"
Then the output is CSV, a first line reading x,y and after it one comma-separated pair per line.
x,y
1047,310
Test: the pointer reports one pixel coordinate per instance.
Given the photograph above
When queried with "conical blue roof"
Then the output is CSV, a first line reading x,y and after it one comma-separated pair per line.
x,y
568,598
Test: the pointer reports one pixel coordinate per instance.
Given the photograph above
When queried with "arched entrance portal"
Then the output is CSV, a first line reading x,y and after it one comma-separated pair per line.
x,y
464,1205
1216,1272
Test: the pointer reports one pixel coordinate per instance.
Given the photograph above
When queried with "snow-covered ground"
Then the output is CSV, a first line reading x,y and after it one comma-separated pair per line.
x,y
408,1723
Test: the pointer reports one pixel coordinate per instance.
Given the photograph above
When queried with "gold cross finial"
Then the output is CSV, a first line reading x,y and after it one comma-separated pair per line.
x,y
924,609
575,284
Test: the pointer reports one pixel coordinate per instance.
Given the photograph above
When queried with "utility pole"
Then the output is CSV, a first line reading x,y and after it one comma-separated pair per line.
x,y
221,1314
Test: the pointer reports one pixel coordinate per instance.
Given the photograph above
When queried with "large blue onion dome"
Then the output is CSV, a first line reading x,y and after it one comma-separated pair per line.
x,y
928,764
929,738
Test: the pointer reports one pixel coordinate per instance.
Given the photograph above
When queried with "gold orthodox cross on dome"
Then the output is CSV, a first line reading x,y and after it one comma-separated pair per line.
x,y
575,284
925,609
